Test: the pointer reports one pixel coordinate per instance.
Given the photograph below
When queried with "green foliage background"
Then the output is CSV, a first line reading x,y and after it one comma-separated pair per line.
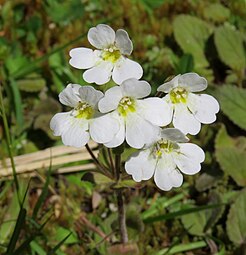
x,y
207,215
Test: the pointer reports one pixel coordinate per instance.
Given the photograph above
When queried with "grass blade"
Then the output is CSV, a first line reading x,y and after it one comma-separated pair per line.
x,y
43,194
18,226
182,248
182,212
52,252
9,143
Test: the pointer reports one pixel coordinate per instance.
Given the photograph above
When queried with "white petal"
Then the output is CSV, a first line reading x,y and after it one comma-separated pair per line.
x,y
73,131
123,42
104,128
102,36
126,69
186,164
100,74
204,107
90,95
185,121
110,100
139,131
135,88
174,135
82,58
141,165
162,178
176,178
119,138
155,110
70,95
167,86
76,136
192,151
193,82
61,122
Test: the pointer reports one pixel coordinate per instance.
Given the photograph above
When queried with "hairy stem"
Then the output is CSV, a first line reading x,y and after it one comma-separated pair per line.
x,y
120,202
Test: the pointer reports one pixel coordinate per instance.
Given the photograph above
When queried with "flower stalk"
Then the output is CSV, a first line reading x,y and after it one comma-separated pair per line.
x,y
120,203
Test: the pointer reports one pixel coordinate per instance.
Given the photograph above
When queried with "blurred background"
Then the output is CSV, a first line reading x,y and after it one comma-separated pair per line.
x,y
44,212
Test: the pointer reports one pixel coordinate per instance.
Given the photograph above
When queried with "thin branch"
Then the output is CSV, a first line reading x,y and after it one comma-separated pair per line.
x,y
111,162
97,163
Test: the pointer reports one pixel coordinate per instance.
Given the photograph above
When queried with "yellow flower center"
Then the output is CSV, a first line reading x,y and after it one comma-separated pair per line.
x,y
83,110
164,146
111,54
126,105
178,95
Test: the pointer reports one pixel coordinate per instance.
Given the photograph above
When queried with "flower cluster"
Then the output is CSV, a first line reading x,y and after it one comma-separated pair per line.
x,y
124,114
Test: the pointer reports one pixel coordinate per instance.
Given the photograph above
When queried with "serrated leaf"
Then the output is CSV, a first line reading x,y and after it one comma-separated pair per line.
x,y
229,44
229,154
191,33
232,161
233,104
236,221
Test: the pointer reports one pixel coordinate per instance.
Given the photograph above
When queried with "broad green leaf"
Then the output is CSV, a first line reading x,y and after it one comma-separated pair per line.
x,y
194,223
229,44
236,221
199,222
229,153
216,12
31,83
232,161
191,34
233,104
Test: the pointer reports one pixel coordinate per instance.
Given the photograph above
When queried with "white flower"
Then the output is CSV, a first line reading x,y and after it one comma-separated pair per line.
x,y
138,118
84,121
190,110
109,59
166,159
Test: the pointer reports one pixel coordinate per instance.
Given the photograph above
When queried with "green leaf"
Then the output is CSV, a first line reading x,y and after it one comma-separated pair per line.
x,y
233,104
199,222
53,251
191,34
186,64
31,83
232,161
37,248
229,44
194,223
229,154
18,105
216,12
63,232
236,221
